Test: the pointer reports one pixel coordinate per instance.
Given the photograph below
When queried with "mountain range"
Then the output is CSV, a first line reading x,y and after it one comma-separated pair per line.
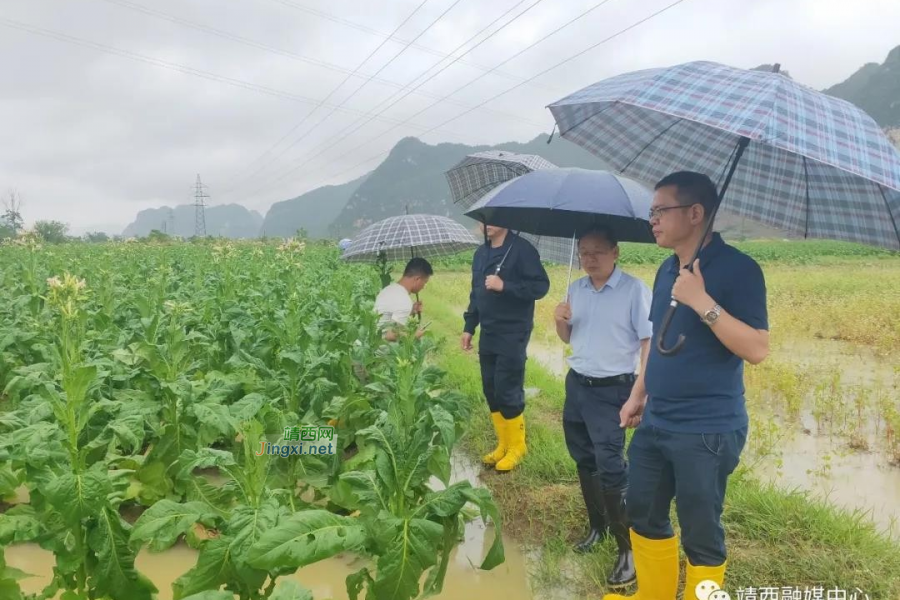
x,y
411,178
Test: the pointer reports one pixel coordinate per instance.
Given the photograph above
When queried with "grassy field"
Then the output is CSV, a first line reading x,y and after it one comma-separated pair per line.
x,y
817,292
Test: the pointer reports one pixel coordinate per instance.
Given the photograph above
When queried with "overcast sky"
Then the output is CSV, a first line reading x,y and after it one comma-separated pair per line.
x,y
99,118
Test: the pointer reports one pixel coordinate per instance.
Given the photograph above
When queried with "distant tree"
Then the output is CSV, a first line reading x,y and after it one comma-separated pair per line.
x,y
96,237
302,234
12,213
158,236
6,231
52,232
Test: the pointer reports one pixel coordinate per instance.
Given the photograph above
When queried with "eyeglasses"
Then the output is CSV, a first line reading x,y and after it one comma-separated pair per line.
x,y
656,213
592,255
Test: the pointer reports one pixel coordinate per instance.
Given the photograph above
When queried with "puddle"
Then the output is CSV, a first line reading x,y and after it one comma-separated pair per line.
x,y
858,365
853,480
326,579
825,465
550,356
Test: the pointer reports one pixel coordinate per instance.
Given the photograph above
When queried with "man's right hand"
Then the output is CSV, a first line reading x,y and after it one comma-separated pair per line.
x,y
632,412
466,341
563,312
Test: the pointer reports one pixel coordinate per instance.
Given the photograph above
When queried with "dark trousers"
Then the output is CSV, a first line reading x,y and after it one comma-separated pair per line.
x,y
591,425
502,380
692,468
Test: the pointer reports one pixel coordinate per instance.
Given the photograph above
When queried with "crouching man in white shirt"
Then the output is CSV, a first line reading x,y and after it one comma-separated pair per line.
x,y
393,304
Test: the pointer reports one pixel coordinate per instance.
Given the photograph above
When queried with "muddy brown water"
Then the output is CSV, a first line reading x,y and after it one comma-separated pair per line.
x,y
326,579
823,466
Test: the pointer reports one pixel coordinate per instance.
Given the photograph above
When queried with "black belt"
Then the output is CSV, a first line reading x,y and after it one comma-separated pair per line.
x,y
624,379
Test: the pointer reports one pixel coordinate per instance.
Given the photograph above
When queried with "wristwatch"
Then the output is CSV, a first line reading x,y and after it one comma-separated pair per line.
x,y
712,315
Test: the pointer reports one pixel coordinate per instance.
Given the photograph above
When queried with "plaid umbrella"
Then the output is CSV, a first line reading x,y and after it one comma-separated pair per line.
x,y
403,237
812,164
789,156
479,173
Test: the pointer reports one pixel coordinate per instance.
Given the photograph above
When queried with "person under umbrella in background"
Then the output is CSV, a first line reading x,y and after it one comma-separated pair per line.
x,y
393,304
507,279
695,423
606,320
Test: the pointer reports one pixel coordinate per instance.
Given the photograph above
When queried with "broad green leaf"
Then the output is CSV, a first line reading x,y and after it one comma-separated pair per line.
x,y
439,464
76,497
215,421
213,569
163,523
9,482
203,459
129,431
246,527
78,382
483,499
290,590
401,567
358,581
114,574
434,585
248,407
304,538
445,424
19,524
152,482
445,503
365,487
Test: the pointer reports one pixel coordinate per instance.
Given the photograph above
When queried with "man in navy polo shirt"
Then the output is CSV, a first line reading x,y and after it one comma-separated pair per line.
x,y
691,403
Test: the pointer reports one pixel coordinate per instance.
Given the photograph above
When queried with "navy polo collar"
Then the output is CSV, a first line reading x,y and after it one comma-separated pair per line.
x,y
707,254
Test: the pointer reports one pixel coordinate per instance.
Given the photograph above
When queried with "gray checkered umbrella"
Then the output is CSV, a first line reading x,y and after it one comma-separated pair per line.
x,y
802,160
403,237
479,173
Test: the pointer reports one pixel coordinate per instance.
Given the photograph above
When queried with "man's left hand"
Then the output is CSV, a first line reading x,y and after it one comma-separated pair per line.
x,y
493,283
690,290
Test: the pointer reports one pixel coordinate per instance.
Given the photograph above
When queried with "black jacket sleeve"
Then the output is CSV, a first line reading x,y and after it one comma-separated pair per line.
x,y
471,315
532,282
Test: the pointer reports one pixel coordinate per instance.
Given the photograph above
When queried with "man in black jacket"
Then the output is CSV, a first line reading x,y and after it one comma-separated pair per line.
x,y
507,278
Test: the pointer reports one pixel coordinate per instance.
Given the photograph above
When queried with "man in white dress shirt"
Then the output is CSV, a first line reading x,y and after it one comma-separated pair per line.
x,y
394,305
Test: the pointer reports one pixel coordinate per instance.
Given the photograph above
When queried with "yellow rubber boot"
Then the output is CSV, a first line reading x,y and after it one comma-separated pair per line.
x,y
500,451
516,448
695,575
656,563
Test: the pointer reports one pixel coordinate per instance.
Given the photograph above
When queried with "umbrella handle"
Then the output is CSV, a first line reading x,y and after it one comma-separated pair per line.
x,y
666,322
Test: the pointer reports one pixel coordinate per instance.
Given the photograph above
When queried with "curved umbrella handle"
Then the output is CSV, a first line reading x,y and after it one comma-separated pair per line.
x,y
667,320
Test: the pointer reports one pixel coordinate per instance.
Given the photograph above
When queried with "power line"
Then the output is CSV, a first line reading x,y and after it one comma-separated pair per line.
x,y
366,29
393,100
147,11
316,152
232,185
384,66
515,87
62,37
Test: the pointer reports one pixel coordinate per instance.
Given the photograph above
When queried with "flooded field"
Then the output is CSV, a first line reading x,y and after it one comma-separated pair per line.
x,y
326,579
816,454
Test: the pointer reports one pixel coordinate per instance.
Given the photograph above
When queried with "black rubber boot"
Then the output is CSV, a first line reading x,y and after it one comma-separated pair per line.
x,y
622,572
592,492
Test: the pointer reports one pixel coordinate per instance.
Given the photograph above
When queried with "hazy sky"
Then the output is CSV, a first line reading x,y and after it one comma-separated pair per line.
x,y
111,106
